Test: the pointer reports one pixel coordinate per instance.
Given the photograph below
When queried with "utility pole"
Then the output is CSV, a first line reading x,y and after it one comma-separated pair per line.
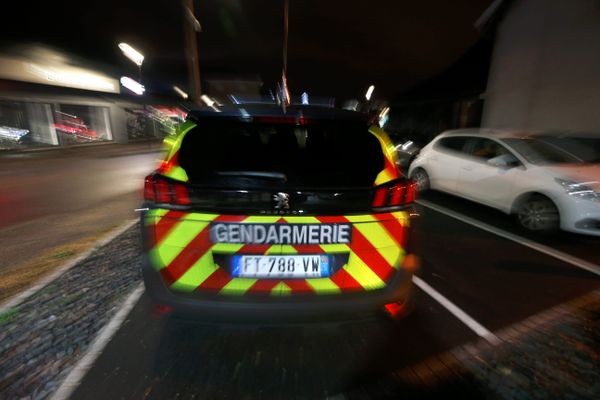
x,y
285,92
191,28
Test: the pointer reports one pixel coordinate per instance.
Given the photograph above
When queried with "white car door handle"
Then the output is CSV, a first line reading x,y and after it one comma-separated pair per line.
x,y
467,168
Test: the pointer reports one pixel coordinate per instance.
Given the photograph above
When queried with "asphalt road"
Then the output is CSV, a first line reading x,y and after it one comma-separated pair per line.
x,y
56,197
495,281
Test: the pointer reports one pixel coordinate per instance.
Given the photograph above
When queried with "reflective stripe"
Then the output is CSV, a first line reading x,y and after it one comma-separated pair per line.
x,y
335,248
171,162
393,255
238,286
390,171
383,177
185,253
288,249
363,274
166,224
301,220
323,285
156,213
177,238
178,173
275,249
182,234
375,233
197,274
267,219
281,289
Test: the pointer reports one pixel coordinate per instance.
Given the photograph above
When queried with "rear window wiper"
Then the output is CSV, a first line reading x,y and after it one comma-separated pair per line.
x,y
278,176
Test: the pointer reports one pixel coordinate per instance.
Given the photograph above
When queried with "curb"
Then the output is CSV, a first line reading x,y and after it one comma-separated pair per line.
x,y
74,378
19,298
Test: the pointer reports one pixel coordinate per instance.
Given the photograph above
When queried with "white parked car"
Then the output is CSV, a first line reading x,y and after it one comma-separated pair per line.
x,y
547,180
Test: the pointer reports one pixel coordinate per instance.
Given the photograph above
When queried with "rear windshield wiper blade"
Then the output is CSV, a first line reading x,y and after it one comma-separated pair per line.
x,y
254,174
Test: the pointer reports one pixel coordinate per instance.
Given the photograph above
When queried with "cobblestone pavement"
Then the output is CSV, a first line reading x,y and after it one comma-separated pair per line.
x,y
552,355
43,337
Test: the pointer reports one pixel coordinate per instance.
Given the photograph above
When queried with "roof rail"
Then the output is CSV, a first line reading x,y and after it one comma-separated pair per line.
x,y
242,99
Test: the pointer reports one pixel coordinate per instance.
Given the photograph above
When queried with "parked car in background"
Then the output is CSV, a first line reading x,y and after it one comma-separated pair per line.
x,y
407,145
406,150
548,180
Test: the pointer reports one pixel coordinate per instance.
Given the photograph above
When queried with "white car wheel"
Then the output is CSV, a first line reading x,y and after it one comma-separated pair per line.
x,y
538,213
421,179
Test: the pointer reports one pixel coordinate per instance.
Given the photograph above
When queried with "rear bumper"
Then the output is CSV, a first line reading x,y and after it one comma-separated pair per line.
x,y
255,308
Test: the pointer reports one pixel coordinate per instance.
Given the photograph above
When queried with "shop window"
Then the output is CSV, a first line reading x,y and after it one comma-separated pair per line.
x,y
76,124
152,122
25,124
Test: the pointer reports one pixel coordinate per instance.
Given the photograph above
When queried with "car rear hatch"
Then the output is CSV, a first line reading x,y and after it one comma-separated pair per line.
x,y
278,208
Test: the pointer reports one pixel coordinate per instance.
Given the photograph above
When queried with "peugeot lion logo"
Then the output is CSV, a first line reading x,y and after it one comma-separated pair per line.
x,y
282,201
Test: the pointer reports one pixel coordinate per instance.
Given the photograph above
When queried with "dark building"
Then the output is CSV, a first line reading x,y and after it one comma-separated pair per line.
x,y
452,99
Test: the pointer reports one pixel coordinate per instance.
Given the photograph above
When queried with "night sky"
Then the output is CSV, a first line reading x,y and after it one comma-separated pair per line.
x,y
336,48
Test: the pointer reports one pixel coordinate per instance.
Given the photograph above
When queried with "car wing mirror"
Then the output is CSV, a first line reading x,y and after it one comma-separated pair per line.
x,y
505,161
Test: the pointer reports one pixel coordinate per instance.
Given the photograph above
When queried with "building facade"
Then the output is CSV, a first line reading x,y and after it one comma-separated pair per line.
x,y
48,99
545,70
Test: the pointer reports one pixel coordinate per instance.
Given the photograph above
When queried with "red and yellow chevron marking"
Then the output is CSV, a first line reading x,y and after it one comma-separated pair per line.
x,y
170,165
182,253
390,171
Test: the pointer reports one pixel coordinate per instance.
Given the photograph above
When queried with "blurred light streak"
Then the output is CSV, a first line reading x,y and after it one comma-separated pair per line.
x,y
210,102
383,116
369,92
8,132
132,54
72,77
180,92
132,85
304,98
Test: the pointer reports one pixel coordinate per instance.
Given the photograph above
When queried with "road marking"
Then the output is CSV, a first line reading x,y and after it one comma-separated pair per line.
x,y
72,381
19,298
457,312
472,356
575,261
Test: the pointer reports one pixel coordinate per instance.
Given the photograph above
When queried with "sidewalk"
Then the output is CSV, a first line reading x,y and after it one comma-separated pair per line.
x,y
44,336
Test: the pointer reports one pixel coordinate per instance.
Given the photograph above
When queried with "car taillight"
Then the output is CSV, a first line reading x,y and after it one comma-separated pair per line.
x,y
160,190
398,194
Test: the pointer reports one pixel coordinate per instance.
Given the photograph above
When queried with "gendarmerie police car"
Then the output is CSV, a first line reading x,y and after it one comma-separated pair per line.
x,y
259,212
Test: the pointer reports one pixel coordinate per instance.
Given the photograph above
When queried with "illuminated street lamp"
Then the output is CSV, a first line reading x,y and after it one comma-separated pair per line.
x,y
132,85
369,92
133,55
180,92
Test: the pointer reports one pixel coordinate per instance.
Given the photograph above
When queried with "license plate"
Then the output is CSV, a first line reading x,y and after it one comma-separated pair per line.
x,y
280,267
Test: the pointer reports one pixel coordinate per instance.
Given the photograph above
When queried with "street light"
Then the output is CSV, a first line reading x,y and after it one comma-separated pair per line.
x,y
132,85
180,92
369,92
133,55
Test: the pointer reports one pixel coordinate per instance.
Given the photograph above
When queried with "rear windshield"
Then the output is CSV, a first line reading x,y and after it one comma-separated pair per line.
x,y
319,154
